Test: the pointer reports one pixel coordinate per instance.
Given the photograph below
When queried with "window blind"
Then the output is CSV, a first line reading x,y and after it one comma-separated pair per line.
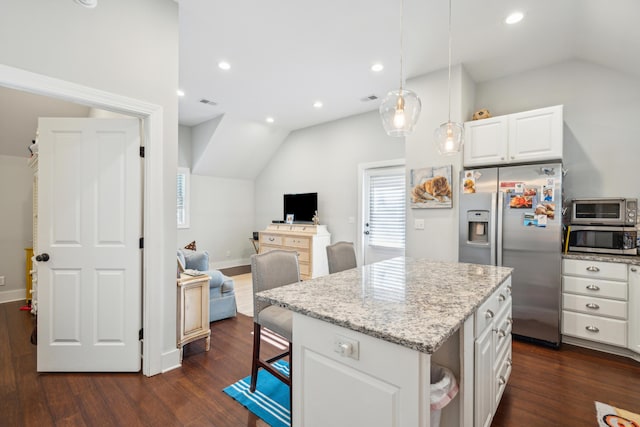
x,y
387,210
182,197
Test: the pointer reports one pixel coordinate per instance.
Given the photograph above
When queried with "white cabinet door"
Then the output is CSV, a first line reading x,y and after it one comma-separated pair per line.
x,y
536,135
486,141
634,308
484,394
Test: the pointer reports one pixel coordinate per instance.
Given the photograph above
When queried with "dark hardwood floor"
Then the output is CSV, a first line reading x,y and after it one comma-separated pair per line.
x,y
547,387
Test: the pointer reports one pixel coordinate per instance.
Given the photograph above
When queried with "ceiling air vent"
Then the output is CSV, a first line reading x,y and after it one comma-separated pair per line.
x,y
369,98
208,102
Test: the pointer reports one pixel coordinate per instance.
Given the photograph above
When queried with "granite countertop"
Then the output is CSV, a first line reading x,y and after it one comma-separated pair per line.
x,y
415,303
624,259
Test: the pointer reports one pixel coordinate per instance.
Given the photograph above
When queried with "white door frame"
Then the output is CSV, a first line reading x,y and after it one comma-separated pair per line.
x,y
153,268
362,167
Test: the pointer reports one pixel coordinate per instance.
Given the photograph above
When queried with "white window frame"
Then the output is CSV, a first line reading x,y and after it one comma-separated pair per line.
x,y
186,191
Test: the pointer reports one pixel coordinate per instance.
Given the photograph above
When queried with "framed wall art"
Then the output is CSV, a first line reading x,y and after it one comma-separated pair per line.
x,y
431,187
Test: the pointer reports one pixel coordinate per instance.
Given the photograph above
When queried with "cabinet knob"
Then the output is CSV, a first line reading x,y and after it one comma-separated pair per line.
x,y
509,361
593,287
634,269
501,380
593,268
592,328
593,306
501,158
513,157
488,314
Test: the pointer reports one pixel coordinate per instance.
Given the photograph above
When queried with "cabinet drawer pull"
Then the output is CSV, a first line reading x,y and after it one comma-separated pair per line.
x,y
501,298
509,361
510,321
593,287
501,333
592,328
488,314
634,269
593,306
593,268
501,380
271,239
509,289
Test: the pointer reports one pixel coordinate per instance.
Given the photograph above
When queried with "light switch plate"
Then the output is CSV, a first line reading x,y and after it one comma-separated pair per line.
x,y
419,224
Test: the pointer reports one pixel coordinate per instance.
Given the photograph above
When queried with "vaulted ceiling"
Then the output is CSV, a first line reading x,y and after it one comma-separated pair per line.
x,y
287,54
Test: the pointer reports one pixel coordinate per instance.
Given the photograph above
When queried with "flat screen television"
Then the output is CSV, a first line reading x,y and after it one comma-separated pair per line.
x,y
302,206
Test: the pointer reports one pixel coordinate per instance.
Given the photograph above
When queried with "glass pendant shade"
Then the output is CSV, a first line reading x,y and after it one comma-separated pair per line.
x,y
399,111
449,138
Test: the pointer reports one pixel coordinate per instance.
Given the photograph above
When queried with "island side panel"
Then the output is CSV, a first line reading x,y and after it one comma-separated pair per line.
x,y
384,385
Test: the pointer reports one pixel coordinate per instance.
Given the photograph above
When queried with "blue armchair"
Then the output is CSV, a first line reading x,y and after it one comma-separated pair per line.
x,y
222,296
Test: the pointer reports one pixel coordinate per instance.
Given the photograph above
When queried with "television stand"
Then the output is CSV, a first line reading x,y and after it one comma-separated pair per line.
x,y
308,240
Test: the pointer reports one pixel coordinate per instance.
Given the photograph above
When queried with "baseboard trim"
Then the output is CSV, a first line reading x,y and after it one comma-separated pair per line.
x,y
13,295
606,348
171,360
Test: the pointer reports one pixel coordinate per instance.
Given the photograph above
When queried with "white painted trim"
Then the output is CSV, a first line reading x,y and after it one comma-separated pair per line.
x,y
171,360
13,295
153,269
362,167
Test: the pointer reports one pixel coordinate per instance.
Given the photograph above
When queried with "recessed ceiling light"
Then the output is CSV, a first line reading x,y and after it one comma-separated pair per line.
x,y
87,3
270,120
180,92
223,65
377,67
514,18
317,104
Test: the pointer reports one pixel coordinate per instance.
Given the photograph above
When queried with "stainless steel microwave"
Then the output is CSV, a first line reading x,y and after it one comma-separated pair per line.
x,y
604,211
603,239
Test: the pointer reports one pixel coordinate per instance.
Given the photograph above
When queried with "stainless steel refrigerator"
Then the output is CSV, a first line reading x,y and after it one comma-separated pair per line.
x,y
512,216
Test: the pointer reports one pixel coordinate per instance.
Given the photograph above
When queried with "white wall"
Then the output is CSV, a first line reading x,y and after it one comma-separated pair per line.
x,y
438,240
222,218
601,121
324,159
16,234
128,48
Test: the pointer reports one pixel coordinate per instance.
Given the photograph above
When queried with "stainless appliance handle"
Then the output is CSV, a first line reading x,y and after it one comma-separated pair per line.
x,y
492,228
499,233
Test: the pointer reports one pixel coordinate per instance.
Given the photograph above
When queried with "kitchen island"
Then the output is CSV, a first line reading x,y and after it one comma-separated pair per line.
x,y
364,340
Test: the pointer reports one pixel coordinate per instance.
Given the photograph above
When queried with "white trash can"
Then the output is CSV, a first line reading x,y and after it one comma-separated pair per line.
x,y
443,389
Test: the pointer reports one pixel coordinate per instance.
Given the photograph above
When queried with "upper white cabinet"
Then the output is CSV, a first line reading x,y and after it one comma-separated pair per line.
x,y
515,138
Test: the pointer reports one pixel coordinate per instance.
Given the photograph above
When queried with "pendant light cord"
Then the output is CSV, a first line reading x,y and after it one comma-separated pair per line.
x,y
401,40
449,89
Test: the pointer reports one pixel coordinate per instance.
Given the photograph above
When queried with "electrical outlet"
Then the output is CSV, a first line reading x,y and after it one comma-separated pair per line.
x,y
419,224
346,347
1,280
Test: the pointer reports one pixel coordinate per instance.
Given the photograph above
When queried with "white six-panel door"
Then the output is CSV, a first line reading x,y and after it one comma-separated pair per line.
x,y
89,216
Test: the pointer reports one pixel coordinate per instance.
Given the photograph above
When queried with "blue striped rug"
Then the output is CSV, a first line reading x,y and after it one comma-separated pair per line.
x,y
271,398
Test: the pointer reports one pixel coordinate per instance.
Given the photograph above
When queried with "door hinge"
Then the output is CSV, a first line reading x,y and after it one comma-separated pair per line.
x,y
142,152
141,334
141,243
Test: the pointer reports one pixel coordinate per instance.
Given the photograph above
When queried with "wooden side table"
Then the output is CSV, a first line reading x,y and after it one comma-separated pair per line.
x,y
193,310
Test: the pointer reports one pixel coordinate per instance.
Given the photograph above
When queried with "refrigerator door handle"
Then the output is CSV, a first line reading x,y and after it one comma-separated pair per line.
x,y
499,229
492,227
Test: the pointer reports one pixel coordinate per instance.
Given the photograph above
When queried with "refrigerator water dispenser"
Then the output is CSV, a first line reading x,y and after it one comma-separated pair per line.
x,y
478,226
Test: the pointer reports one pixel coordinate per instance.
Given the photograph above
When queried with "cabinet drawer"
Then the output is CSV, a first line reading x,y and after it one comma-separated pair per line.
x,y
485,315
270,239
595,288
502,329
503,372
595,328
595,306
305,269
297,242
596,269
303,256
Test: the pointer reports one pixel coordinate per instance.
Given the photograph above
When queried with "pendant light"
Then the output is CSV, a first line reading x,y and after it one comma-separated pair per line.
x,y
400,108
449,137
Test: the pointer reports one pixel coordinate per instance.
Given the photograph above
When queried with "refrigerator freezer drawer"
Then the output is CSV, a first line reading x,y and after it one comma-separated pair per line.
x,y
595,306
595,288
594,328
600,270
